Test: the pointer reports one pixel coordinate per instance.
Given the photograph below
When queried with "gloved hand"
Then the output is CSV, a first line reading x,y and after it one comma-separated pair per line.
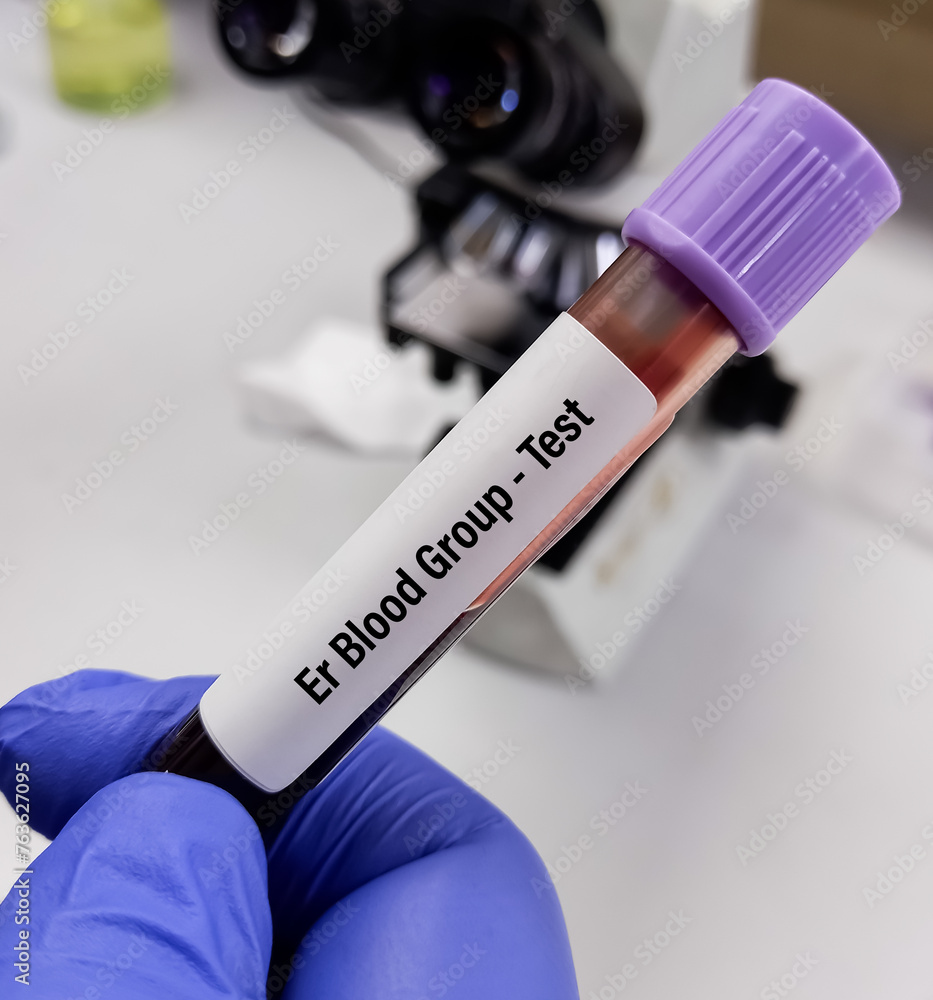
x,y
391,879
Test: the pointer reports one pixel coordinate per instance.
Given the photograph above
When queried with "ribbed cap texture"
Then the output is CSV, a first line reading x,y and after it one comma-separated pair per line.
x,y
768,207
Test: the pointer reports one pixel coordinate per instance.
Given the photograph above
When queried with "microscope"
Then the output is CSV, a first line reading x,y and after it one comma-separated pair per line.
x,y
524,132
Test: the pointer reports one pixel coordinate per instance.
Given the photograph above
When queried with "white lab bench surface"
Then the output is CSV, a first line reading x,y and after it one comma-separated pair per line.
x,y
742,921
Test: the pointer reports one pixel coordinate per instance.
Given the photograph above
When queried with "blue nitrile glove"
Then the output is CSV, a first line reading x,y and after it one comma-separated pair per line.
x,y
392,879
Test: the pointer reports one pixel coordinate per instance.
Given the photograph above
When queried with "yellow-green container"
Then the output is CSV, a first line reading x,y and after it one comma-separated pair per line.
x,y
110,55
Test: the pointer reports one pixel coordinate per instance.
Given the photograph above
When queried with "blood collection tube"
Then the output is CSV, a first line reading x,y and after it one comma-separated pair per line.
x,y
756,219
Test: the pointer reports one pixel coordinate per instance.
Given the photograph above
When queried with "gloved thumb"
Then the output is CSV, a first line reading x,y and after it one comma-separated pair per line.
x,y
157,886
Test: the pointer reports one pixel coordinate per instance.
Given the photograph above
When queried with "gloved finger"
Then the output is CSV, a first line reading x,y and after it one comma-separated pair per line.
x,y
419,867
157,886
479,918
386,806
85,730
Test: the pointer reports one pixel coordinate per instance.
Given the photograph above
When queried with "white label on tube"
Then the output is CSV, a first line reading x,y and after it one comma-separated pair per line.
x,y
528,447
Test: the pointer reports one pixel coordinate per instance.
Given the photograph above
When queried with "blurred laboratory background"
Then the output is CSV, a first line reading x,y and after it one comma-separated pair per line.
x,y
258,256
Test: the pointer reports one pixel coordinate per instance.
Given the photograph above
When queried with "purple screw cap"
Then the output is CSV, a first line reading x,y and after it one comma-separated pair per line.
x,y
767,208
